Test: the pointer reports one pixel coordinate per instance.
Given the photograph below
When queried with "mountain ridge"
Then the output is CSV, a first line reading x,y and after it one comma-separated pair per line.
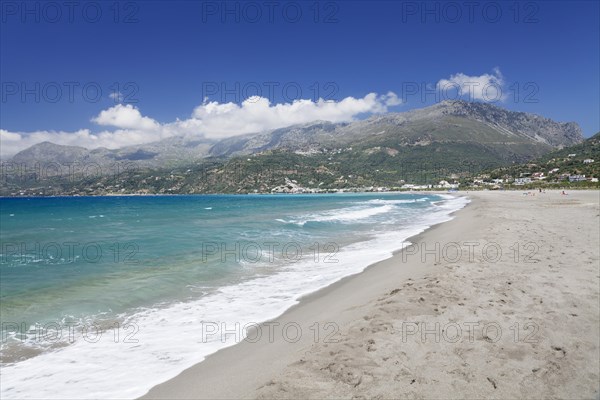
x,y
445,136
312,135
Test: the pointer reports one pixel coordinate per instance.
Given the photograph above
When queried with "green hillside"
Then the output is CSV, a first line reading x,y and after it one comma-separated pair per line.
x,y
558,165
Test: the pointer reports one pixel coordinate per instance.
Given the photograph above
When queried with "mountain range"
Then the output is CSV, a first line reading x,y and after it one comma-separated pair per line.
x,y
451,137
504,135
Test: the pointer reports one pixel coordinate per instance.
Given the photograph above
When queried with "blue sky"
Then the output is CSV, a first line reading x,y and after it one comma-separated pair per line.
x,y
148,64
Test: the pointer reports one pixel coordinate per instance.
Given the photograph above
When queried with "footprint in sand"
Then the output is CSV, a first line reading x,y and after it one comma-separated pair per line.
x,y
560,350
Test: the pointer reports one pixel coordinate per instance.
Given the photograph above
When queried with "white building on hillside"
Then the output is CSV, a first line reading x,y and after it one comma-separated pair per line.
x,y
522,181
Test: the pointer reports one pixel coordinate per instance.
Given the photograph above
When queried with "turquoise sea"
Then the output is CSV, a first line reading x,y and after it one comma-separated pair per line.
x,y
105,295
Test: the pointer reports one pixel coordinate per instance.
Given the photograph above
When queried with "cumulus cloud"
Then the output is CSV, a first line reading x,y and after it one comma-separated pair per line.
x,y
210,119
125,117
257,114
486,87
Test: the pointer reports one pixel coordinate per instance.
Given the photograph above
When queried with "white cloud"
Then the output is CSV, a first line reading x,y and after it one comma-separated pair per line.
x,y
125,117
210,119
391,99
486,87
257,114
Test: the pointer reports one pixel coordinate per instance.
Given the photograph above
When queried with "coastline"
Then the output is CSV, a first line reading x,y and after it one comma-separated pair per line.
x,y
305,315
230,306
362,310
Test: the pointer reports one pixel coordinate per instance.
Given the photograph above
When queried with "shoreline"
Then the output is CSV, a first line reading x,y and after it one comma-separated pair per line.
x,y
367,313
460,192
350,265
298,312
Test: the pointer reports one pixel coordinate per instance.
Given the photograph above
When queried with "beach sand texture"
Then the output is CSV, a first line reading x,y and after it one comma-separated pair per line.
x,y
506,306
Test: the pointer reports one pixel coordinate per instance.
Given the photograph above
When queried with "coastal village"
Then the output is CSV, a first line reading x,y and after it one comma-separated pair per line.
x,y
565,169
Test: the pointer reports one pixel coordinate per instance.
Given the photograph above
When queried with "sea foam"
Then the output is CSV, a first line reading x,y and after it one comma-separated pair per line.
x,y
156,344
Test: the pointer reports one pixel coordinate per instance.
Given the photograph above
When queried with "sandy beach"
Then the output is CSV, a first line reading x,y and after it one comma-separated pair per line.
x,y
500,302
